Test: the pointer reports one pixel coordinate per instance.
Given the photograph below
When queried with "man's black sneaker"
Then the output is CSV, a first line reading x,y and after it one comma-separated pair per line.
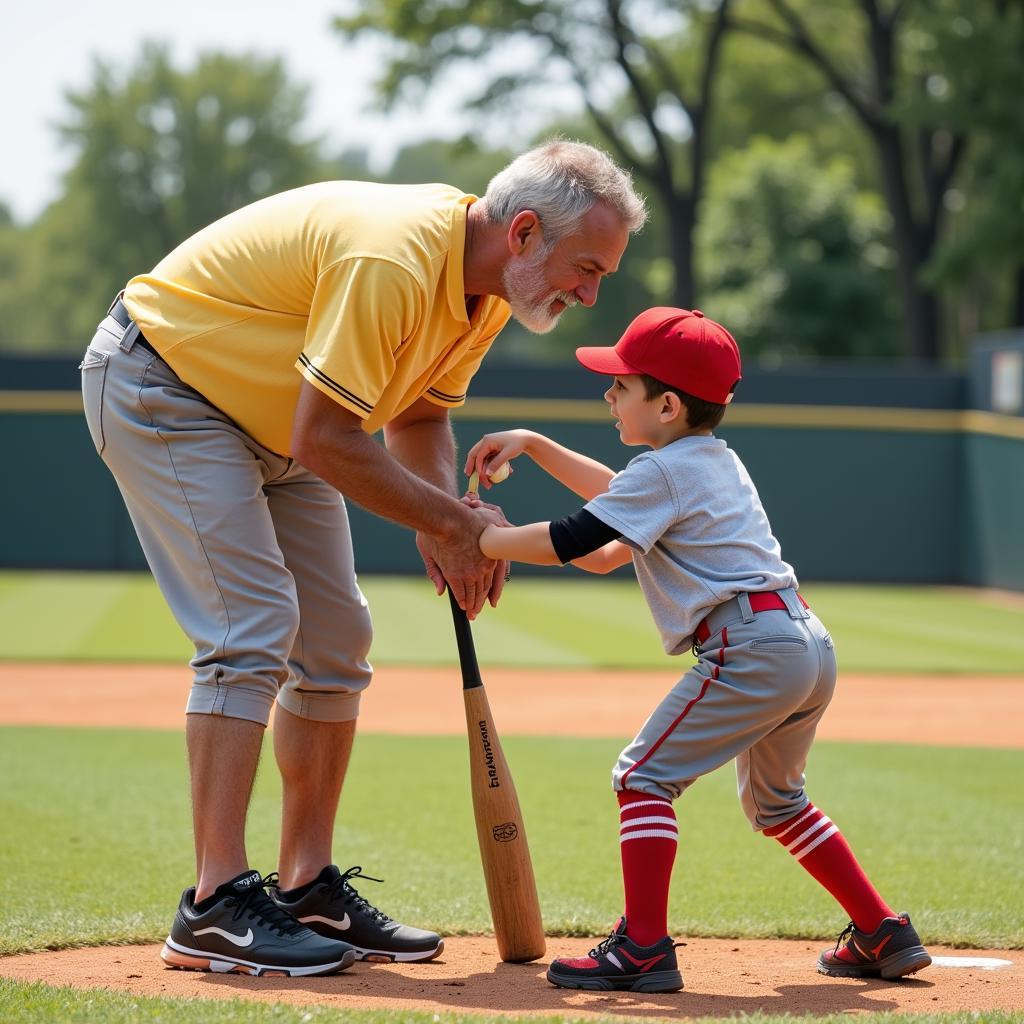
x,y
243,931
892,951
331,907
619,963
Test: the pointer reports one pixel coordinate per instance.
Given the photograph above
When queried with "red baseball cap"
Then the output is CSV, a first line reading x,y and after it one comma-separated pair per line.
x,y
680,347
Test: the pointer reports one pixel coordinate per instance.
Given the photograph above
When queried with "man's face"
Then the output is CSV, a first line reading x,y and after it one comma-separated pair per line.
x,y
542,281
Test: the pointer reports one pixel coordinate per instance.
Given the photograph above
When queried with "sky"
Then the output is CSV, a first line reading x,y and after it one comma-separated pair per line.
x,y
49,46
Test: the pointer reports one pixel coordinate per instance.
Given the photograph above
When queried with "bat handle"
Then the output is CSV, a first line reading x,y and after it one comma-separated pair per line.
x,y
467,651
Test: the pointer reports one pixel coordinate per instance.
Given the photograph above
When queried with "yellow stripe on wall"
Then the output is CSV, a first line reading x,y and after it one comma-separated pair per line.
x,y
40,401
575,410
828,417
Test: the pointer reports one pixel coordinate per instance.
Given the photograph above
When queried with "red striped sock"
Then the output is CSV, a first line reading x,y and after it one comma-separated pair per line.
x,y
820,848
648,836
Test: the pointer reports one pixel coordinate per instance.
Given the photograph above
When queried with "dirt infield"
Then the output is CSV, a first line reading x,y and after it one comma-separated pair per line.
x,y
723,977
950,710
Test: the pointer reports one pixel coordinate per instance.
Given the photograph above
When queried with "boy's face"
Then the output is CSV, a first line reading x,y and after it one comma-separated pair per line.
x,y
638,418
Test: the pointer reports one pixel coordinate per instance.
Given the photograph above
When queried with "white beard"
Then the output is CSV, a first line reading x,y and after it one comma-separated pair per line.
x,y
524,283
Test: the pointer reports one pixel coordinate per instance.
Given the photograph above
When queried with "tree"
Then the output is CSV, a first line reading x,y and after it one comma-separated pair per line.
x,y
12,246
651,107
890,70
793,256
160,153
979,73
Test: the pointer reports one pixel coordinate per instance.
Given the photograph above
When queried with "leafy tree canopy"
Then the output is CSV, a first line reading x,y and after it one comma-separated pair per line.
x,y
159,153
793,258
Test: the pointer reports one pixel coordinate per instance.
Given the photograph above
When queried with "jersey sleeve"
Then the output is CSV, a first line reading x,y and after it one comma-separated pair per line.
x,y
363,309
451,389
641,503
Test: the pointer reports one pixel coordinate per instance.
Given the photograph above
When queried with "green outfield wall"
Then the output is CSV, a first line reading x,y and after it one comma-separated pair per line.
x,y
874,474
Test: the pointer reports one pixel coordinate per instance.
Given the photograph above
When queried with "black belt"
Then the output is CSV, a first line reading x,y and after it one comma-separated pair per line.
x,y
119,311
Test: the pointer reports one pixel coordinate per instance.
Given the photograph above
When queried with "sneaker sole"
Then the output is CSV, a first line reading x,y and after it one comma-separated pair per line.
x,y
181,958
899,965
390,956
659,981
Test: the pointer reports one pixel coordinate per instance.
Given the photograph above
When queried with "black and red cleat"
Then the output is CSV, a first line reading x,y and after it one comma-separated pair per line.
x,y
619,963
893,950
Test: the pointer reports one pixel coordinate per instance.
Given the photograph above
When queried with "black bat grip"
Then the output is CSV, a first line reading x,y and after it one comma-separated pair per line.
x,y
467,651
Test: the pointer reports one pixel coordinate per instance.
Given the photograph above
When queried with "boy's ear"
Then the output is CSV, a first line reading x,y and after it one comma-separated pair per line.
x,y
672,408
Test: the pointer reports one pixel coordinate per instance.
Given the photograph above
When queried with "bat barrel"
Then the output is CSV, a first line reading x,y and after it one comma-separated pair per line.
x,y
501,834
508,870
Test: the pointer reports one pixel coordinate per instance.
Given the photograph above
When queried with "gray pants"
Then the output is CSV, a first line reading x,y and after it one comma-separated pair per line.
x,y
252,552
756,694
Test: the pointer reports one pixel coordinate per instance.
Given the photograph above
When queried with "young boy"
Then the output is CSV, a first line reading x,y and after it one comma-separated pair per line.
x,y
688,515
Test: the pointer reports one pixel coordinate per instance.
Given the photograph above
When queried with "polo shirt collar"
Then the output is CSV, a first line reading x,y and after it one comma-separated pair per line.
x,y
454,269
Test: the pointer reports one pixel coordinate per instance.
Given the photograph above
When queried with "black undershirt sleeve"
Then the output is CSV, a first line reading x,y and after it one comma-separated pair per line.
x,y
577,535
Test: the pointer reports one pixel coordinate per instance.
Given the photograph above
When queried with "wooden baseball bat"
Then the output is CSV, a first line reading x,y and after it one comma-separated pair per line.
x,y
508,870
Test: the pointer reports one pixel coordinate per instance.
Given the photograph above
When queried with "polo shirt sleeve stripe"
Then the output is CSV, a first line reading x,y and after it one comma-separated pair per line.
x,y
435,393
309,370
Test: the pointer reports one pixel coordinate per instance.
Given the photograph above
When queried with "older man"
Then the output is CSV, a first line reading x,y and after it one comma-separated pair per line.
x,y
233,392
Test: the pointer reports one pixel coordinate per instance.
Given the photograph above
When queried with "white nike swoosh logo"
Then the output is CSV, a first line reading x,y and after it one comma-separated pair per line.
x,y
340,925
238,940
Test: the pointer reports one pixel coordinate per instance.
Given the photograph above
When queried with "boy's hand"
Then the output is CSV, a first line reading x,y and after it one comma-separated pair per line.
x,y
493,451
503,573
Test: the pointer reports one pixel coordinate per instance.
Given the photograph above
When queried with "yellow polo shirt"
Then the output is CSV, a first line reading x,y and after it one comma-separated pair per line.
x,y
354,286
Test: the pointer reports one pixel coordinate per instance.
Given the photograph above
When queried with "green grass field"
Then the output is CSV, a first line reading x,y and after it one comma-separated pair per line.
x,y
107,813
96,838
540,622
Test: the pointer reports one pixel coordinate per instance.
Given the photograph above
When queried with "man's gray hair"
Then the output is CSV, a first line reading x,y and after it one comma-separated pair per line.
x,y
560,181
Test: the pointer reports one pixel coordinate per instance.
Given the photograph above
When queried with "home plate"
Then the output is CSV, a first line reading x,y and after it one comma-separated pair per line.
x,y
984,963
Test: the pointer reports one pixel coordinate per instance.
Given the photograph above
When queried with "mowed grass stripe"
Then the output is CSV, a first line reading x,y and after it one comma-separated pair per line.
x,y
922,629
541,622
139,618
414,626
606,625
53,616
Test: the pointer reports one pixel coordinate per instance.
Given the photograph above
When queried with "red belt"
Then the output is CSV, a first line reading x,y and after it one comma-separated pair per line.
x,y
760,601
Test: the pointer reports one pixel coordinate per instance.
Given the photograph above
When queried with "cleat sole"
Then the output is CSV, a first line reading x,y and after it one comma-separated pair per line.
x,y
659,981
909,961
387,956
195,960
899,965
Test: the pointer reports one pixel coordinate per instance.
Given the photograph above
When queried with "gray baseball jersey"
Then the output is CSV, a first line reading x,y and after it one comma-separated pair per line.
x,y
702,545
693,515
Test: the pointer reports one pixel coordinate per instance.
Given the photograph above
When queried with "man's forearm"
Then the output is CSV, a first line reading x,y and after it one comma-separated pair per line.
x,y
363,471
427,449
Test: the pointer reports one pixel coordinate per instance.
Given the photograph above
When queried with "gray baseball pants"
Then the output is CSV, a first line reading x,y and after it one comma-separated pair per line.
x,y
252,552
761,683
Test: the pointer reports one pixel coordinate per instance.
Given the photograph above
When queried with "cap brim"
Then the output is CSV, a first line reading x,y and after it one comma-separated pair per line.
x,y
604,360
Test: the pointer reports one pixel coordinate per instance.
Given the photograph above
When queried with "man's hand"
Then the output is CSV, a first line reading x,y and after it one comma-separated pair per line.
x,y
472,576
